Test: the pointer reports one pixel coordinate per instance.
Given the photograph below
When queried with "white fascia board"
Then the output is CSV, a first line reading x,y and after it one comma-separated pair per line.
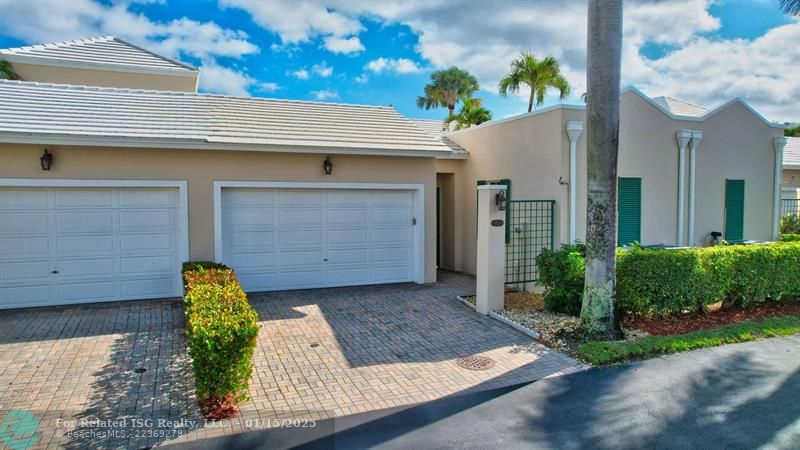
x,y
791,166
71,64
202,144
708,114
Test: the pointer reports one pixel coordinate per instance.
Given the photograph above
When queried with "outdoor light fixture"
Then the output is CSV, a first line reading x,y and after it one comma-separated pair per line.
x,y
328,166
46,160
500,200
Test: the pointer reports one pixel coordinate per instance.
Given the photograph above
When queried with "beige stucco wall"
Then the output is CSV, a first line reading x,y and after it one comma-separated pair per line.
x,y
533,151
105,78
201,168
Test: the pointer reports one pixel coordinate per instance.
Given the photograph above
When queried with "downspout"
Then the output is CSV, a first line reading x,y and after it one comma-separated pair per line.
x,y
683,136
778,143
693,144
574,131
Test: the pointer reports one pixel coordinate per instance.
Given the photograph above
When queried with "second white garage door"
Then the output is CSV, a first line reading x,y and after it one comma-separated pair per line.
x,y
279,239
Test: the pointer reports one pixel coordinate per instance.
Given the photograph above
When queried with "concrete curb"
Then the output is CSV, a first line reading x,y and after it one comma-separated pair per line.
x,y
515,325
463,300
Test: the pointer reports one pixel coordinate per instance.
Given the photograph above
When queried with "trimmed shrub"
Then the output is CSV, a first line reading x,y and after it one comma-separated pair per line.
x,y
667,282
197,265
221,330
790,238
561,272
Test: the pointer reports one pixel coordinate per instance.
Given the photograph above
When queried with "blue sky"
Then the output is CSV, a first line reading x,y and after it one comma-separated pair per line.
x,y
382,52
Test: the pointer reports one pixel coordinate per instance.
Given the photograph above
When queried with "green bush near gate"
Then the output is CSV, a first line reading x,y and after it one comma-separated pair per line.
x,y
790,224
221,330
790,238
561,272
653,282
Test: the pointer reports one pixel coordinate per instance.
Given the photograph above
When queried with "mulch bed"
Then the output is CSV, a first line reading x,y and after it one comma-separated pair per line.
x,y
689,323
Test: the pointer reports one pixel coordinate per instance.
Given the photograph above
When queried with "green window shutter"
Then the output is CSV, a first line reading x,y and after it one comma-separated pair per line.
x,y
629,211
734,210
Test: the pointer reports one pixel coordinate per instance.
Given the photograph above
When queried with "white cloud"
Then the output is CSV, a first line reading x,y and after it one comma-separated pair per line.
x,y
44,21
361,79
322,69
325,95
298,21
401,65
223,80
268,87
343,45
300,74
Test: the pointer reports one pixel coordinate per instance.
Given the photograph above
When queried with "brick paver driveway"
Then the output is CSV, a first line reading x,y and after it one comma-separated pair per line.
x,y
321,353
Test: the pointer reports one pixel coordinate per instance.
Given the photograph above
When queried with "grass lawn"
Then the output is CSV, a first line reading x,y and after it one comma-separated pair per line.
x,y
603,352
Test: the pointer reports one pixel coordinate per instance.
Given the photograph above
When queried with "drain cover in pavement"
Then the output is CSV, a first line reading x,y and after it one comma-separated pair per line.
x,y
475,362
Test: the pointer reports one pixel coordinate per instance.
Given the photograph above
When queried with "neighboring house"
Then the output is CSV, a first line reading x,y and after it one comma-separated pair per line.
x,y
102,61
142,180
731,151
791,176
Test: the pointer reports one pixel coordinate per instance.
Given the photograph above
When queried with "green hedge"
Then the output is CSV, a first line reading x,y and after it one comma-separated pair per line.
x,y
654,282
790,238
221,330
790,224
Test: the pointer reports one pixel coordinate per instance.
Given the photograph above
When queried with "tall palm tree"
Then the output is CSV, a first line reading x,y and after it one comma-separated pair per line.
x,y
538,74
472,113
6,71
604,53
791,7
447,87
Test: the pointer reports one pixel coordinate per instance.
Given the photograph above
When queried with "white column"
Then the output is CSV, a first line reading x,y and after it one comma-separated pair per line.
x,y
491,266
697,136
574,131
778,143
683,136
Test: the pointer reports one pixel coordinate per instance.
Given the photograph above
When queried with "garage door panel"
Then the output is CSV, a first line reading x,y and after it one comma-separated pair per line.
x,y
349,199
148,288
83,198
22,198
86,267
348,256
249,220
24,247
390,217
145,264
22,271
340,238
157,242
300,278
252,241
16,223
16,296
334,237
347,217
253,260
300,217
85,222
151,198
147,220
88,291
300,238
91,244
235,198
391,235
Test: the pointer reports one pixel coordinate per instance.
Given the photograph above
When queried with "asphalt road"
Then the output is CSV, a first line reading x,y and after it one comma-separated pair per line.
x,y
737,396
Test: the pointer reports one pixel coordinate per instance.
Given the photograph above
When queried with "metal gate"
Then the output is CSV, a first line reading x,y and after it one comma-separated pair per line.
x,y
790,207
530,228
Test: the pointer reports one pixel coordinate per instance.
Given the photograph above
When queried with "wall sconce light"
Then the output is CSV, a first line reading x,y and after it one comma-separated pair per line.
x,y
327,166
46,160
500,200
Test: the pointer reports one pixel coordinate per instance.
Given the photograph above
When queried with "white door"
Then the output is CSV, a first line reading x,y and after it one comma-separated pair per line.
x,y
280,239
78,245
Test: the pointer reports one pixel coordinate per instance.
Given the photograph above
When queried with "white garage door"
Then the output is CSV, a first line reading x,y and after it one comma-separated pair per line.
x,y
77,245
306,238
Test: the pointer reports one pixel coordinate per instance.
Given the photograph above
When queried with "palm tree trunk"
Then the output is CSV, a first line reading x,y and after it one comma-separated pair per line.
x,y
450,109
598,315
530,101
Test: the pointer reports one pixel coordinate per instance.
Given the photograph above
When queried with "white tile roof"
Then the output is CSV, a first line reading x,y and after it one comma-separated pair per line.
x,y
80,115
680,107
791,153
436,128
105,53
